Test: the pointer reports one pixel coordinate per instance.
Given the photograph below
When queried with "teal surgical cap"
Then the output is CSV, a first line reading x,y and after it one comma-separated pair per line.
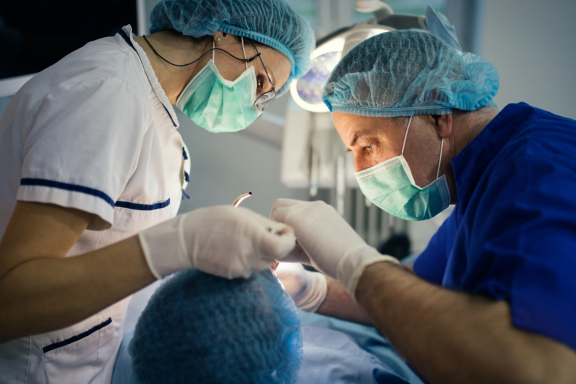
x,y
199,328
406,73
270,22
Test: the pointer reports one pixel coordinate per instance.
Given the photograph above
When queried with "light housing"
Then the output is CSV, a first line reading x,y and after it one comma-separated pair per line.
x,y
307,90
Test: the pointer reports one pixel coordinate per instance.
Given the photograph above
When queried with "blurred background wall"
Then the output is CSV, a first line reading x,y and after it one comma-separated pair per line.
x,y
533,45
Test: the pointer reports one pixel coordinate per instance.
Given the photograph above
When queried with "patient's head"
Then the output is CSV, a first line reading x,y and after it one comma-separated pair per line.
x,y
198,328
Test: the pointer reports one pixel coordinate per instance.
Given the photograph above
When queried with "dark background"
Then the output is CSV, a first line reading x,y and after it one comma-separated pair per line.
x,y
36,34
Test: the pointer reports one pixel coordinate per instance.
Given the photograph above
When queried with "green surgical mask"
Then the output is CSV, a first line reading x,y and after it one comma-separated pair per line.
x,y
391,187
217,104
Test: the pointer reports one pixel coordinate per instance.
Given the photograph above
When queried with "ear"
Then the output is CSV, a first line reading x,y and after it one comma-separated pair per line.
x,y
443,125
220,36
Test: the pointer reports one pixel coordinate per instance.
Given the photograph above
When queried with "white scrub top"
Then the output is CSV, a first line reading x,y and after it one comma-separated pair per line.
x,y
94,132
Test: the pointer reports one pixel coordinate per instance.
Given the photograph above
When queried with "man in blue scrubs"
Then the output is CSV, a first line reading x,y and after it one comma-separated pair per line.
x,y
493,298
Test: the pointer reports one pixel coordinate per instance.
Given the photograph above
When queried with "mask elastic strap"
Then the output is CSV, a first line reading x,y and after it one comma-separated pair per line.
x,y
405,136
440,160
213,51
245,63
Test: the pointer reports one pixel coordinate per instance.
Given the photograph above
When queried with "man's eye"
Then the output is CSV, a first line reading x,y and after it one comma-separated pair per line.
x,y
260,82
368,147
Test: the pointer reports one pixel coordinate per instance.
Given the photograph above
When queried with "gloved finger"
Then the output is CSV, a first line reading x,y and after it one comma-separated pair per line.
x,y
276,245
281,208
260,265
247,268
270,225
297,255
279,228
280,214
289,270
286,203
278,239
292,276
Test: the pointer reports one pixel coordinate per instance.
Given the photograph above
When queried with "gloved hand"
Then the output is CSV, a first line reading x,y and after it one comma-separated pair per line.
x,y
307,289
223,241
332,245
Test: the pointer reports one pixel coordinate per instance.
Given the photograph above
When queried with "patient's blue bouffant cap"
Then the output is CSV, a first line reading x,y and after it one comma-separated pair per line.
x,y
199,328
406,73
270,22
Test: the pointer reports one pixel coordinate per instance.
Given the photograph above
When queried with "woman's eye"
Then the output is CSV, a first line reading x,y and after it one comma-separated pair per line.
x,y
260,82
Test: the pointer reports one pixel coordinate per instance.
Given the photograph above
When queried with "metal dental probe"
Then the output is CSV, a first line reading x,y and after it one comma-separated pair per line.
x,y
241,198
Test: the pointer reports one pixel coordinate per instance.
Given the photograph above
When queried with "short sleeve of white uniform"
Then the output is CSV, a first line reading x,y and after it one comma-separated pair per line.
x,y
83,145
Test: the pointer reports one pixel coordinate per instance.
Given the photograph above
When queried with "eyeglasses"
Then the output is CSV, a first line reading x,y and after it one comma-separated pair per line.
x,y
266,98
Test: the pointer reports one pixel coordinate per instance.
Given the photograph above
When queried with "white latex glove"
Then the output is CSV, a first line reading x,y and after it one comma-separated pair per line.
x,y
223,241
332,245
307,289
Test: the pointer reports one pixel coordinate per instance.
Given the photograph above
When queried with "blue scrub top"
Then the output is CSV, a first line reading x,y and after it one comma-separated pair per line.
x,y
512,235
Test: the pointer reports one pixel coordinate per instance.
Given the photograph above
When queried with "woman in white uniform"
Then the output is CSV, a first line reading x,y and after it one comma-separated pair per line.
x,y
93,166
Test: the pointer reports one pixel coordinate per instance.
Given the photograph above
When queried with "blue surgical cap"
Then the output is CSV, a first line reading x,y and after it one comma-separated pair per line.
x,y
270,22
406,73
439,26
199,328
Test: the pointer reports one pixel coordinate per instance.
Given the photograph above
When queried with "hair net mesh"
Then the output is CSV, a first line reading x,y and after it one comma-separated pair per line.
x,y
270,22
405,73
199,328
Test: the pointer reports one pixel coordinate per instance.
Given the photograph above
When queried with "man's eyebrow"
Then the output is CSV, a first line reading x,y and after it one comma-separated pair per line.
x,y
354,140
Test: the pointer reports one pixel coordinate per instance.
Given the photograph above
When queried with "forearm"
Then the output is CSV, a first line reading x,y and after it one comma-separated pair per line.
x,y
45,294
451,337
339,304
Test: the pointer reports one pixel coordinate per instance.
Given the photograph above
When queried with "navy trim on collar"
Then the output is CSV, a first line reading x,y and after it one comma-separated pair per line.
x,y
127,39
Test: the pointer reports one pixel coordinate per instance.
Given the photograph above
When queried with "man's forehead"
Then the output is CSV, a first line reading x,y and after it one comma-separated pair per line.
x,y
354,127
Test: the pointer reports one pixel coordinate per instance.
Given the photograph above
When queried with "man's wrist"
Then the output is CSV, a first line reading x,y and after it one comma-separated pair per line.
x,y
351,267
375,278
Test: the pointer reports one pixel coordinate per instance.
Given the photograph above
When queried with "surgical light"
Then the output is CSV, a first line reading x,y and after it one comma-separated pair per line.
x,y
307,90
